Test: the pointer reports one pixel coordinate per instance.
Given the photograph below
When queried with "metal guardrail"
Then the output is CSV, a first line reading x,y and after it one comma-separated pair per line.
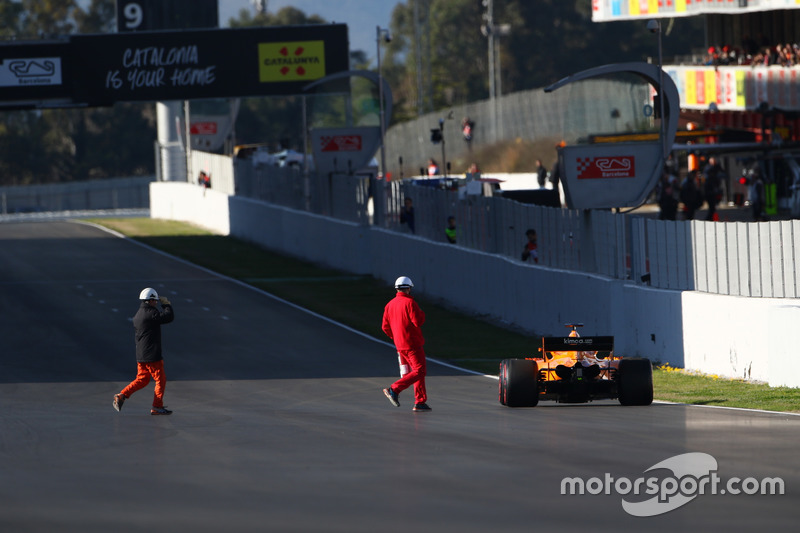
x,y
116,193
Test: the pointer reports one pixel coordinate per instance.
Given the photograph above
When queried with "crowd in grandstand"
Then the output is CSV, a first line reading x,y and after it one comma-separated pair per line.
x,y
785,55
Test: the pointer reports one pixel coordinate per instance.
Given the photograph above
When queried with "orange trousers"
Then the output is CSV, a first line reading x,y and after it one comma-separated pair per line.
x,y
146,371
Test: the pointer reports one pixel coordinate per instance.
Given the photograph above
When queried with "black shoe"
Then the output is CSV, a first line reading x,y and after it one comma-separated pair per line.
x,y
392,395
421,407
160,411
119,399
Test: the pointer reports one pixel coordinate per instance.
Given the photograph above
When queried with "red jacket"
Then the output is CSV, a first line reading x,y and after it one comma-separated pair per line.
x,y
402,320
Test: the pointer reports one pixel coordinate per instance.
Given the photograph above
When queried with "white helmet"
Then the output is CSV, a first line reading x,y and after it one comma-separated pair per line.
x,y
148,294
403,282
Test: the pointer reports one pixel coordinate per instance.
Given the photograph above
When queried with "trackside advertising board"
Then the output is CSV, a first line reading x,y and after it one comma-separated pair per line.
x,y
609,10
172,65
34,71
197,64
609,175
344,150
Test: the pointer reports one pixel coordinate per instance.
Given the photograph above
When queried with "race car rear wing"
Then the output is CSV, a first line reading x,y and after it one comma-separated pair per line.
x,y
577,344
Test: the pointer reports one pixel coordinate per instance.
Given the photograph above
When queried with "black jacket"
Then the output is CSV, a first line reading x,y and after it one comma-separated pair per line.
x,y
147,323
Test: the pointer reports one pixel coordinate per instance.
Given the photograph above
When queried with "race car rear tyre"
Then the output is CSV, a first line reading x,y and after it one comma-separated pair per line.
x,y
635,381
519,383
503,381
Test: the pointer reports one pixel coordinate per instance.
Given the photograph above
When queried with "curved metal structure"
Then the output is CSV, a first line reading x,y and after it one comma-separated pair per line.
x,y
621,174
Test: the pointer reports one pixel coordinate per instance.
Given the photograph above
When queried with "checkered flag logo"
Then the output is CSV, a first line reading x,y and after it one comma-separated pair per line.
x,y
583,163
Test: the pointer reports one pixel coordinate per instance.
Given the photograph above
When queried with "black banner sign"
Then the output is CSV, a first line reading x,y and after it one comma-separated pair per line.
x,y
196,64
171,65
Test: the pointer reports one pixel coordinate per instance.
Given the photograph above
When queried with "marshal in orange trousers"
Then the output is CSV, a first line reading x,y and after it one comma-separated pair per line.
x,y
146,371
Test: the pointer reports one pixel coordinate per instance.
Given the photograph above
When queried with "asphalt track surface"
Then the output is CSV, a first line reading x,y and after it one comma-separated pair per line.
x,y
280,423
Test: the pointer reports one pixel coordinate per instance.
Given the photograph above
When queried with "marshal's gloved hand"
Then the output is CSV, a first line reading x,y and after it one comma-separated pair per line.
x,y
164,300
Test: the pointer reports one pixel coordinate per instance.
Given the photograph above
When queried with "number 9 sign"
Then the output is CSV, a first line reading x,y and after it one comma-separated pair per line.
x,y
133,15
152,15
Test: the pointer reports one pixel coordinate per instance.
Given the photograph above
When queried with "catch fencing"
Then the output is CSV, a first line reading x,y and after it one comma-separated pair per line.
x,y
754,259
529,115
339,196
729,258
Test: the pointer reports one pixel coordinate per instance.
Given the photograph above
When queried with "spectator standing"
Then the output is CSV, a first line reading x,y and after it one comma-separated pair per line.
x,y
402,322
433,168
556,173
530,251
668,197
690,195
541,173
467,125
407,213
450,229
757,196
712,186
204,180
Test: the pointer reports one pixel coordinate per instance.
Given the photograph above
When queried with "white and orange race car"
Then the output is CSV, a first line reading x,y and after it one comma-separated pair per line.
x,y
575,369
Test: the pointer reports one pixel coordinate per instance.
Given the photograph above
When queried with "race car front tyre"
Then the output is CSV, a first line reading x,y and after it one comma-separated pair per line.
x,y
519,383
635,381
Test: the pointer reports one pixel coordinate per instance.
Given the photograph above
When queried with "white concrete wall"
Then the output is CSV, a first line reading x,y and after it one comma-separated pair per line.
x,y
784,316
175,200
336,243
735,336
730,336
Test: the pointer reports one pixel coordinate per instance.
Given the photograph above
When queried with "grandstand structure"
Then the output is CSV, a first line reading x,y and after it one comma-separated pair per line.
x,y
739,91
741,73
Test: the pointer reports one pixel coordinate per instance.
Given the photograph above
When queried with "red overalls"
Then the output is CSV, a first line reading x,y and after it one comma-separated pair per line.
x,y
402,320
